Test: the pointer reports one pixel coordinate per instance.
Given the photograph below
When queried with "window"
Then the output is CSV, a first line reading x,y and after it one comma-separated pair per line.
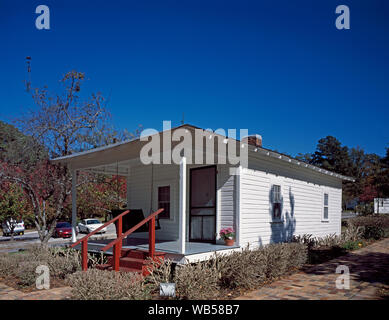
x,y
164,201
94,221
63,225
325,209
277,202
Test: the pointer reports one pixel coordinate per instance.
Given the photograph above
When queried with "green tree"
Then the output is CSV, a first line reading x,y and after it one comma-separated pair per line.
x,y
382,177
331,155
13,205
16,148
305,157
363,168
370,171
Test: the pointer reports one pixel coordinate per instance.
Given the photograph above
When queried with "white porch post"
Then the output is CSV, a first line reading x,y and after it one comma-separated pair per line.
x,y
182,210
237,206
74,205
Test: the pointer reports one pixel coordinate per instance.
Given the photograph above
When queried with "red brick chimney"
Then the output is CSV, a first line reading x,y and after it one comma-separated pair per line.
x,y
254,140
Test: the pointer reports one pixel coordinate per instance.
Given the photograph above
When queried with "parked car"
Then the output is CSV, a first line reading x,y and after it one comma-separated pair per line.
x,y
62,230
18,229
89,225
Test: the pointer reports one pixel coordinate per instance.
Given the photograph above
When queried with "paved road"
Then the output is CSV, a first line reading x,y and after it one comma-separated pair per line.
x,y
28,235
31,238
368,273
348,215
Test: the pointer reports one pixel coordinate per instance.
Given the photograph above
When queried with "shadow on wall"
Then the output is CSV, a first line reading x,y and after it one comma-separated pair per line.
x,y
283,228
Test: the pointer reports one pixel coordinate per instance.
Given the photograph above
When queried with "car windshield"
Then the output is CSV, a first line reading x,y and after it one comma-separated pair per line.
x,y
64,225
93,222
13,221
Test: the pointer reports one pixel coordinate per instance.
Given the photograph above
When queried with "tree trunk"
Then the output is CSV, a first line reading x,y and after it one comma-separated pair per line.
x,y
12,229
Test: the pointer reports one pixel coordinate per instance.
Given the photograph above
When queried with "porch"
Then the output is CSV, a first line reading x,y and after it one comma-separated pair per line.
x,y
197,203
195,251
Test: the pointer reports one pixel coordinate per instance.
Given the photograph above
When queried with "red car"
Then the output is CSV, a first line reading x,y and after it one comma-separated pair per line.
x,y
63,230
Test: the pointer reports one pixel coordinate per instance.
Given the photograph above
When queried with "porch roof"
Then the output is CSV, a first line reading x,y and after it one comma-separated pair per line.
x,y
111,159
115,158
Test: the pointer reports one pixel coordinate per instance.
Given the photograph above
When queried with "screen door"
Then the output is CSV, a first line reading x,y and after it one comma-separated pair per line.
x,y
203,204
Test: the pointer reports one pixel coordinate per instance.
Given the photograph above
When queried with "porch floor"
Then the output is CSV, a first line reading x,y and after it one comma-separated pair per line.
x,y
191,248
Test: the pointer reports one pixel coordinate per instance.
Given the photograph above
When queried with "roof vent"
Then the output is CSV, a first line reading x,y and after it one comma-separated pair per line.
x,y
254,140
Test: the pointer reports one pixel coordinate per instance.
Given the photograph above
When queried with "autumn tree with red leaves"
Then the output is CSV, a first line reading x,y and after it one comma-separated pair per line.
x,y
100,195
63,124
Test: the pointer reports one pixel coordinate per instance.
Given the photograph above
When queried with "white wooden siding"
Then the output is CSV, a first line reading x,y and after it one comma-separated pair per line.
x,y
305,187
139,193
226,196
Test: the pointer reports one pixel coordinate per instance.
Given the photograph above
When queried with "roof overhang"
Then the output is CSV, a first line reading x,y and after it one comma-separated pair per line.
x,y
298,163
116,158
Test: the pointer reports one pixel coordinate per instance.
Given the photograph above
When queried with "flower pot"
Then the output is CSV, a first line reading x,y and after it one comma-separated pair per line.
x,y
229,242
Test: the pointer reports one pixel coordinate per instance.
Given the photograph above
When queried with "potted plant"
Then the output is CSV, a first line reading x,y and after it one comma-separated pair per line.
x,y
228,235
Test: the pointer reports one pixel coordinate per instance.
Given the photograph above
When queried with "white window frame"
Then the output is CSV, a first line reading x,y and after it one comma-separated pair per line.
x,y
323,206
173,207
278,181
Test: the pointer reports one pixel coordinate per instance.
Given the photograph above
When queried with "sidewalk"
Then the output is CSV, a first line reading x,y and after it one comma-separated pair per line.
x,y
8,293
369,271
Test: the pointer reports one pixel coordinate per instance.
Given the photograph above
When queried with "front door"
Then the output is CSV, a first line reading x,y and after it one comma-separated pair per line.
x,y
202,225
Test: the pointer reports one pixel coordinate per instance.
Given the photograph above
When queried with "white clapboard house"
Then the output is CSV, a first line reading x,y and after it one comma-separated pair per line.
x,y
269,199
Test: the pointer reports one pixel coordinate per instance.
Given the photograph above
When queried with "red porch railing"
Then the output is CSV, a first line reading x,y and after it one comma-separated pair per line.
x,y
84,240
117,243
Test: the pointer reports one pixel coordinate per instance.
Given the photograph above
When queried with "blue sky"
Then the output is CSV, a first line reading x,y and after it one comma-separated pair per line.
x,y
277,68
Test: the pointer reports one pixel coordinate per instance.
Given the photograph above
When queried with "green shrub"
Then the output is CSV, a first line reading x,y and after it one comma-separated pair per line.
x,y
7,265
250,268
352,233
244,269
25,272
306,239
60,267
160,272
95,259
352,245
61,262
323,254
22,265
95,284
276,260
331,246
373,232
331,240
282,257
240,269
365,209
298,255
374,226
197,280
